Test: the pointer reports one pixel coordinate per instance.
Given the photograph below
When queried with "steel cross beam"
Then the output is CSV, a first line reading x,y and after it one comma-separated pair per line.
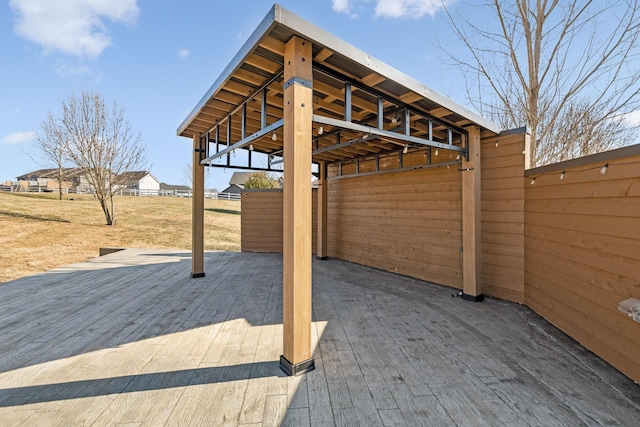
x,y
368,130
245,141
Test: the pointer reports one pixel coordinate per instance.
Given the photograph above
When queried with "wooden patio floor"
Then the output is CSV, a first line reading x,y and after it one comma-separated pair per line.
x,y
130,339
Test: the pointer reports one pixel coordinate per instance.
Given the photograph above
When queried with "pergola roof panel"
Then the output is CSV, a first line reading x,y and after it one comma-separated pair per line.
x,y
336,64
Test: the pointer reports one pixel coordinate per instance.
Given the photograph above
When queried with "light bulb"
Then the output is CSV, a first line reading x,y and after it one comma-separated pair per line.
x,y
274,137
405,149
458,156
533,181
604,169
320,130
496,143
562,175
436,153
250,147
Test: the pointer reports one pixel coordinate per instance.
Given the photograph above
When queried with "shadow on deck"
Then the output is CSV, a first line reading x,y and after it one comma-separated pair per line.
x,y
131,338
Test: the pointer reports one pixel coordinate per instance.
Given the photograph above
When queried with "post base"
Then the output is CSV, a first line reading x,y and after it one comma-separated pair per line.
x,y
197,275
298,368
474,298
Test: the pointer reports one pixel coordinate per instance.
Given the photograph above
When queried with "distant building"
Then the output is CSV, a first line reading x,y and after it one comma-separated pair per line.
x,y
168,187
47,180
236,183
142,181
174,190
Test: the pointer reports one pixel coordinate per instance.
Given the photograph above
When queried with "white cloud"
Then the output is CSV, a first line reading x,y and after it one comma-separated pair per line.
x,y
18,137
183,53
73,27
393,8
409,8
340,6
66,70
632,118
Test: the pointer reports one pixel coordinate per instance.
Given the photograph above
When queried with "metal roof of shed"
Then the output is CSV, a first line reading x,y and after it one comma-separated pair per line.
x,y
236,97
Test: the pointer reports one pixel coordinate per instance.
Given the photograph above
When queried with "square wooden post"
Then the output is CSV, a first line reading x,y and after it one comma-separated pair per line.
x,y
197,210
298,112
471,220
321,249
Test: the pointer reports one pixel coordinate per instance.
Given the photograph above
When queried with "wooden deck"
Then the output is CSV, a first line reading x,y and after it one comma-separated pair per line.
x,y
130,339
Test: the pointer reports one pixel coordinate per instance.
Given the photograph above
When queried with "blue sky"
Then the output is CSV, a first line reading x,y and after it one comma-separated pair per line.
x,y
157,59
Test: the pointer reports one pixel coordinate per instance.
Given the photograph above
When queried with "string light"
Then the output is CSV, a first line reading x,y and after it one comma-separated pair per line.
x,y
320,130
603,170
436,153
496,144
250,147
274,137
458,156
405,149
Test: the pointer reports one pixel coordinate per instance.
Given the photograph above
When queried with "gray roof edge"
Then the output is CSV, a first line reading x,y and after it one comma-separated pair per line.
x,y
260,30
316,34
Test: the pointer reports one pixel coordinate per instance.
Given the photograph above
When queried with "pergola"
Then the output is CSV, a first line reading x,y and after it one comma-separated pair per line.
x,y
296,96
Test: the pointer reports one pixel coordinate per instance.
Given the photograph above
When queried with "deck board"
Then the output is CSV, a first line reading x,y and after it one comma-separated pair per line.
x,y
131,339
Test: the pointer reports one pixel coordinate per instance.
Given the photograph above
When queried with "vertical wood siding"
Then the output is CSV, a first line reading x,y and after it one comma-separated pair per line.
x,y
582,252
261,221
407,222
503,216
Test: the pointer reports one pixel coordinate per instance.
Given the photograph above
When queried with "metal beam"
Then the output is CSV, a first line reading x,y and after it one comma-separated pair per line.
x,y
368,130
245,168
245,141
379,172
344,144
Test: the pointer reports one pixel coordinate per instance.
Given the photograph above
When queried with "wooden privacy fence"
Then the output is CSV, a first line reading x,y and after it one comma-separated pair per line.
x,y
261,225
582,251
563,239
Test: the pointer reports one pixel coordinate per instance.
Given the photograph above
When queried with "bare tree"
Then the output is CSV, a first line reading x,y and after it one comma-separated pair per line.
x,y
51,145
568,69
187,174
100,141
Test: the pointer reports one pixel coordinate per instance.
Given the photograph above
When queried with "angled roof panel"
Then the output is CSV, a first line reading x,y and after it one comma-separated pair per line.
x,y
337,65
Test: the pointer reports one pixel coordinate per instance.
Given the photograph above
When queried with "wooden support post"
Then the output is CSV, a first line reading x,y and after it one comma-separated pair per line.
x,y
298,112
321,250
471,216
197,211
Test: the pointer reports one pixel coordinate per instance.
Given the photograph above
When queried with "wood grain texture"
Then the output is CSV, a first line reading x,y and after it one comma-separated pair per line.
x,y
582,256
297,202
262,221
503,216
197,211
405,222
131,339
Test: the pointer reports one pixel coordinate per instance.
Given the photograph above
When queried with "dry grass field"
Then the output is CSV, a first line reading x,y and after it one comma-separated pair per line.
x,y
38,232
